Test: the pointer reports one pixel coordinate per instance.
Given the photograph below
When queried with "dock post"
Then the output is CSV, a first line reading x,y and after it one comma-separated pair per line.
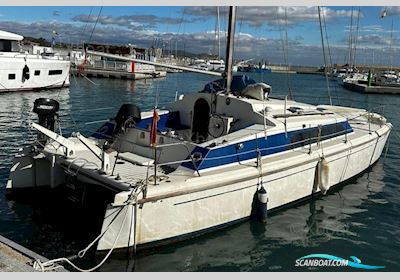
x,y
369,77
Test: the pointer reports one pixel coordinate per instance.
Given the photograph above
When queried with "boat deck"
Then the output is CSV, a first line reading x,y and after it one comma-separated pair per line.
x,y
126,171
129,169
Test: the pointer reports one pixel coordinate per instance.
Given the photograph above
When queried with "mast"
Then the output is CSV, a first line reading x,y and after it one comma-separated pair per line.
x,y
349,58
229,48
356,39
218,30
390,48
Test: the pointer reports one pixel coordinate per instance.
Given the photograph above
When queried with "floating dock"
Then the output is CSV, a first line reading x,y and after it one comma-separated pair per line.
x,y
115,74
16,258
364,88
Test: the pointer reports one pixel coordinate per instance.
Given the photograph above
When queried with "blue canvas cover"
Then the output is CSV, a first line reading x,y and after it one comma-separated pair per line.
x,y
239,82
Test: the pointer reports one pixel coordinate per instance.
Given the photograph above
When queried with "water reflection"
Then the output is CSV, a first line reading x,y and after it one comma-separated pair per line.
x,y
359,219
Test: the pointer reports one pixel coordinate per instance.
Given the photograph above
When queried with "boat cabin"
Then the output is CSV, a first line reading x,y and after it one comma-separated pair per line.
x,y
216,125
9,42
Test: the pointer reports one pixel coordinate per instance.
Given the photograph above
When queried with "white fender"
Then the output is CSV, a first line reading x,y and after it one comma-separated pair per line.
x,y
323,175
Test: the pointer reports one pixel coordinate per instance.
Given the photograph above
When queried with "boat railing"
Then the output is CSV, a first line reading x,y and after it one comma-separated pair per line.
x,y
320,99
109,65
293,145
296,144
194,158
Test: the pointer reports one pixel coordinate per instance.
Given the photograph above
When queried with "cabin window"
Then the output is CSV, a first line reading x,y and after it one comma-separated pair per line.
x,y
5,46
302,137
11,76
333,130
37,72
55,72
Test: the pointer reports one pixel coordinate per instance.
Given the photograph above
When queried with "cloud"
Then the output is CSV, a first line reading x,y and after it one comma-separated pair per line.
x,y
273,16
374,39
370,29
130,21
246,45
377,40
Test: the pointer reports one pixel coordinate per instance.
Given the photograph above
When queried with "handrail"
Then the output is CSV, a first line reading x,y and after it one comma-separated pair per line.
x,y
308,140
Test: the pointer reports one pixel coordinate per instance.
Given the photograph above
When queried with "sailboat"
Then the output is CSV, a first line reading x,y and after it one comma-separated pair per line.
x,y
207,160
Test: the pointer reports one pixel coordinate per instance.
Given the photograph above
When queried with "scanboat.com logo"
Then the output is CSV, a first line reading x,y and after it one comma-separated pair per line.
x,y
320,260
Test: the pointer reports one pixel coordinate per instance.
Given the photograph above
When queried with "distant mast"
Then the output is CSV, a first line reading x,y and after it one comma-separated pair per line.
x,y
219,32
229,48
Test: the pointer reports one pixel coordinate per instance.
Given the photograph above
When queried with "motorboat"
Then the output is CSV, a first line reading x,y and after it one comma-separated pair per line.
x,y
22,71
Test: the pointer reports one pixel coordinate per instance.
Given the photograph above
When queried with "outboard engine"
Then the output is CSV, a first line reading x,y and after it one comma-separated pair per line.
x,y
127,114
46,109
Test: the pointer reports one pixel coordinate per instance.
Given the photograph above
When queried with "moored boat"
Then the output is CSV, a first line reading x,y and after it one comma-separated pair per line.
x,y
22,71
207,160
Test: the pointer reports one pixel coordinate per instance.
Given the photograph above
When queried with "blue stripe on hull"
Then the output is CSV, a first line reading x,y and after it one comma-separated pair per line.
x,y
271,145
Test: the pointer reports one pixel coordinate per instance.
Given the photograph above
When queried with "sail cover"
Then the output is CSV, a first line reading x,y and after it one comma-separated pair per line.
x,y
239,82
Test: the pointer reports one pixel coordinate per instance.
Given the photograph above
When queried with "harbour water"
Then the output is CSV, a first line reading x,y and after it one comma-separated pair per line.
x,y
359,219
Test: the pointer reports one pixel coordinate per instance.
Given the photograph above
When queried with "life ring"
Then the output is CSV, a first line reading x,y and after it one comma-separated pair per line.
x,y
323,175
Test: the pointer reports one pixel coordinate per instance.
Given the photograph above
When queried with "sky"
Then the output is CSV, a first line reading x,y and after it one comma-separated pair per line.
x,y
260,31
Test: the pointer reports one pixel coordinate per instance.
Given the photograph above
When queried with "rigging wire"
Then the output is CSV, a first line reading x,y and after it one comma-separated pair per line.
x,y
327,40
240,29
349,55
329,50
323,51
390,47
215,42
356,37
88,19
94,27
285,53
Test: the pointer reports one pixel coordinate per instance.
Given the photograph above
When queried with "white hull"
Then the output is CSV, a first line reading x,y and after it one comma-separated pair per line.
x,y
43,73
198,204
232,198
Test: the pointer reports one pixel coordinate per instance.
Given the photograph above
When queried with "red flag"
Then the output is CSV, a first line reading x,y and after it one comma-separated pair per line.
x,y
153,131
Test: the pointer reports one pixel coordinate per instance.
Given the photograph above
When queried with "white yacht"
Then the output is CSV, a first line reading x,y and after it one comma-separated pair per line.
x,y
207,160
22,71
217,65
353,78
341,73
388,77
